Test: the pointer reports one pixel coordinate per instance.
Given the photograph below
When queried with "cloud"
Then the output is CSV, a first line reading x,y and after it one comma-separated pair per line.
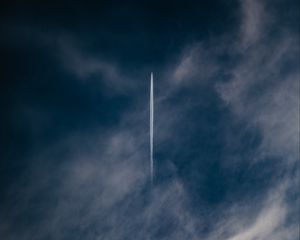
x,y
253,19
265,97
263,92
254,219
96,185
195,65
85,66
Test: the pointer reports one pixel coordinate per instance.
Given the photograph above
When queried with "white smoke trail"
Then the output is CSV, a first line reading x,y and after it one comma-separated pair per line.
x,y
151,128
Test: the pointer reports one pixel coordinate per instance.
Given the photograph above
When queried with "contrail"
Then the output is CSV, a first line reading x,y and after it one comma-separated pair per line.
x,y
151,128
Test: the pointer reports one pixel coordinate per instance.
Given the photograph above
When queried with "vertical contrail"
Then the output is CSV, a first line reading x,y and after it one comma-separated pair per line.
x,y
151,128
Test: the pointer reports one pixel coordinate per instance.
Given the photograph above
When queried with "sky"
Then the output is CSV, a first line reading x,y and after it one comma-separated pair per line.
x,y
75,86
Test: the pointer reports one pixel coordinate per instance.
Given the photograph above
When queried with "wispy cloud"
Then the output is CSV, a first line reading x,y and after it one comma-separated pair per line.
x,y
86,66
253,20
195,65
262,93
96,184
101,191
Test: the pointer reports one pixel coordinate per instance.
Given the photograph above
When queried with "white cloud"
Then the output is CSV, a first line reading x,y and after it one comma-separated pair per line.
x,y
196,65
85,66
266,224
101,184
259,93
263,94
253,19
100,189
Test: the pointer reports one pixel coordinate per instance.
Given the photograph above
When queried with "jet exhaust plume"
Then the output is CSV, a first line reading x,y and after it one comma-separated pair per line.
x,y
151,128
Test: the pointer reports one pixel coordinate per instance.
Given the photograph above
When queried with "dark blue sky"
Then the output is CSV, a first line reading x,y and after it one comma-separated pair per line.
x,y
75,81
